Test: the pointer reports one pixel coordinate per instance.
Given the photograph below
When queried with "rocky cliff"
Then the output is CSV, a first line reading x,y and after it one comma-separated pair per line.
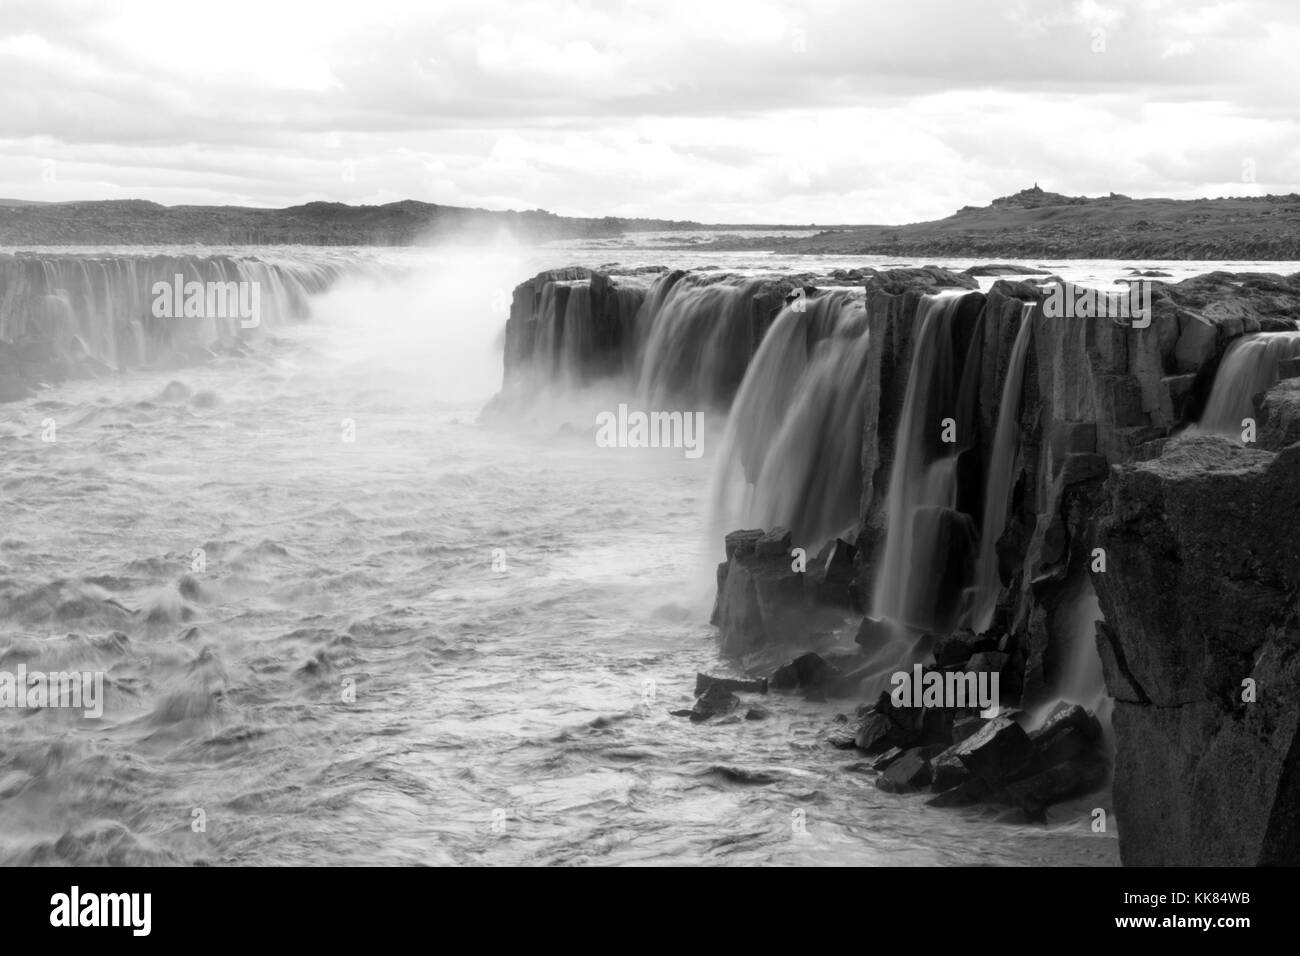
x,y
1185,539
1200,648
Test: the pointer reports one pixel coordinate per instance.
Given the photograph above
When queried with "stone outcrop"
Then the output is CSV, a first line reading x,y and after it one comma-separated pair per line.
x,y
764,601
1200,649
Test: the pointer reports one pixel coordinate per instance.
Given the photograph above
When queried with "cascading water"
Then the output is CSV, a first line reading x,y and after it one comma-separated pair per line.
x,y
928,541
698,338
65,315
997,488
1249,366
1081,676
792,451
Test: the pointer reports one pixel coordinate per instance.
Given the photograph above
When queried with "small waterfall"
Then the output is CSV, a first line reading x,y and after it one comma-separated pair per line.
x,y
929,542
1081,678
997,487
1249,366
792,452
1074,672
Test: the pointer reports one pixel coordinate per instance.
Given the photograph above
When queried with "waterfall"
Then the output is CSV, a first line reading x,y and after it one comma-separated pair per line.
x,y
1081,676
1074,671
63,315
929,543
997,487
792,452
675,340
1249,366
565,340
699,335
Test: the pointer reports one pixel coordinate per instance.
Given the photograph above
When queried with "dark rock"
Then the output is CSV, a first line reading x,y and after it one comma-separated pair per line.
x,y
807,672
830,578
922,726
714,702
964,727
883,761
965,794
911,771
948,771
872,633
1014,713
774,544
720,578
957,647
704,681
1070,778
941,587
1203,548
1066,717
995,269
876,734
1198,341
742,543
1279,416
995,750
843,736
1071,438
990,662
1078,468
755,712
761,602
925,279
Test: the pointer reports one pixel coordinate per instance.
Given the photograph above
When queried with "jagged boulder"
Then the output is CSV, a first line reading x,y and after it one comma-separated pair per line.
x,y
911,771
807,672
994,751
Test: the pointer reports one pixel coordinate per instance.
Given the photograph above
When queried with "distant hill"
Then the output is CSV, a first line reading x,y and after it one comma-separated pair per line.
x,y
138,222
1030,224
1034,224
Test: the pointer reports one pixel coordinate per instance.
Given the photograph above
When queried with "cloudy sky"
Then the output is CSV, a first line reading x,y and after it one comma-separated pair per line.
x,y
752,111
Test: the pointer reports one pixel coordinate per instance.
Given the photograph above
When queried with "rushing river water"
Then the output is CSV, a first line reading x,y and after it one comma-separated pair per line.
x,y
446,640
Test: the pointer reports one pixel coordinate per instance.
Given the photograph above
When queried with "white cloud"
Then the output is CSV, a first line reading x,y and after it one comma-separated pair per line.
x,y
832,111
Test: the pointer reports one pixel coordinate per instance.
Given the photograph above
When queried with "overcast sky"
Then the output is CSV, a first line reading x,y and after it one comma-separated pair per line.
x,y
750,111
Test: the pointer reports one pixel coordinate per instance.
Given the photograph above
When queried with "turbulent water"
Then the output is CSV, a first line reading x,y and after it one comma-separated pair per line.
x,y
448,640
